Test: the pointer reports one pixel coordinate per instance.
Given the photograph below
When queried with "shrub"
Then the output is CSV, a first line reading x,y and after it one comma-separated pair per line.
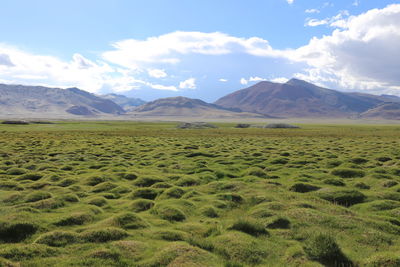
x,y
147,193
348,173
36,196
66,182
16,231
57,238
103,235
251,227
323,248
303,188
142,205
129,221
389,183
344,197
75,219
130,176
169,213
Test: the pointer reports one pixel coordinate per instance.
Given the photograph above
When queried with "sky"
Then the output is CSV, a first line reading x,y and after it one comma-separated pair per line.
x,y
200,49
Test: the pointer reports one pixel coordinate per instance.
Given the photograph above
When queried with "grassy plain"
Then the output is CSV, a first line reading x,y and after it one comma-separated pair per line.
x,y
148,194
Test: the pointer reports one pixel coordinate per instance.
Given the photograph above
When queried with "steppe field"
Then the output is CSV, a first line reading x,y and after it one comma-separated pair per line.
x,y
149,194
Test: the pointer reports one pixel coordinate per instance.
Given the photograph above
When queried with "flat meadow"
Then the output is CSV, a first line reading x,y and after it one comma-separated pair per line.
x,y
149,194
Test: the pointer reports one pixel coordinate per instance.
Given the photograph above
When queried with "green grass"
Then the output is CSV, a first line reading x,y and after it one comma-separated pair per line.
x,y
148,194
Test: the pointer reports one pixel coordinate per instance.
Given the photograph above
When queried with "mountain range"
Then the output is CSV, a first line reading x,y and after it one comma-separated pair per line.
x,y
297,99
293,99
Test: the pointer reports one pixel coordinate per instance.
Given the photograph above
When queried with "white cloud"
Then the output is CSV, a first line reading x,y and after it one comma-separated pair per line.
x,y
251,79
362,55
157,73
223,80
290,1
188,84
280,80
171,47
312,10
356,3
338,21
256,79
162,87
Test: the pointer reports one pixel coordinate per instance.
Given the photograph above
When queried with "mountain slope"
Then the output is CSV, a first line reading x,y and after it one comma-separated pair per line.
x,y
388,111
187,107
127,103
297,98
31,101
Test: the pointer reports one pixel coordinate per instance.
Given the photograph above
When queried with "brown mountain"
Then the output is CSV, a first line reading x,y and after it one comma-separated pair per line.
x,y
297,98
39,101
188,107
388,111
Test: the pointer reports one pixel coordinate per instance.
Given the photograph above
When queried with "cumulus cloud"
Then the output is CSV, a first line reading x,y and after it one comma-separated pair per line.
x,y
290,1
188,84
171,47
157,73
223,80
362,55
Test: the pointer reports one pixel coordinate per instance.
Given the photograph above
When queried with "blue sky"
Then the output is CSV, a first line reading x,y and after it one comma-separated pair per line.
x,y
202,49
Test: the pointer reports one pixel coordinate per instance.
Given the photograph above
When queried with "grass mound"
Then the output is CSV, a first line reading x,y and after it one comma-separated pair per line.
x,y
169,213
303,188
16,231
129,221
139,205
146,193
323,248
103,234
343,197
348,173
183,254
249,226
79,218
18,252
57,238
239,247
36,196
278,223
